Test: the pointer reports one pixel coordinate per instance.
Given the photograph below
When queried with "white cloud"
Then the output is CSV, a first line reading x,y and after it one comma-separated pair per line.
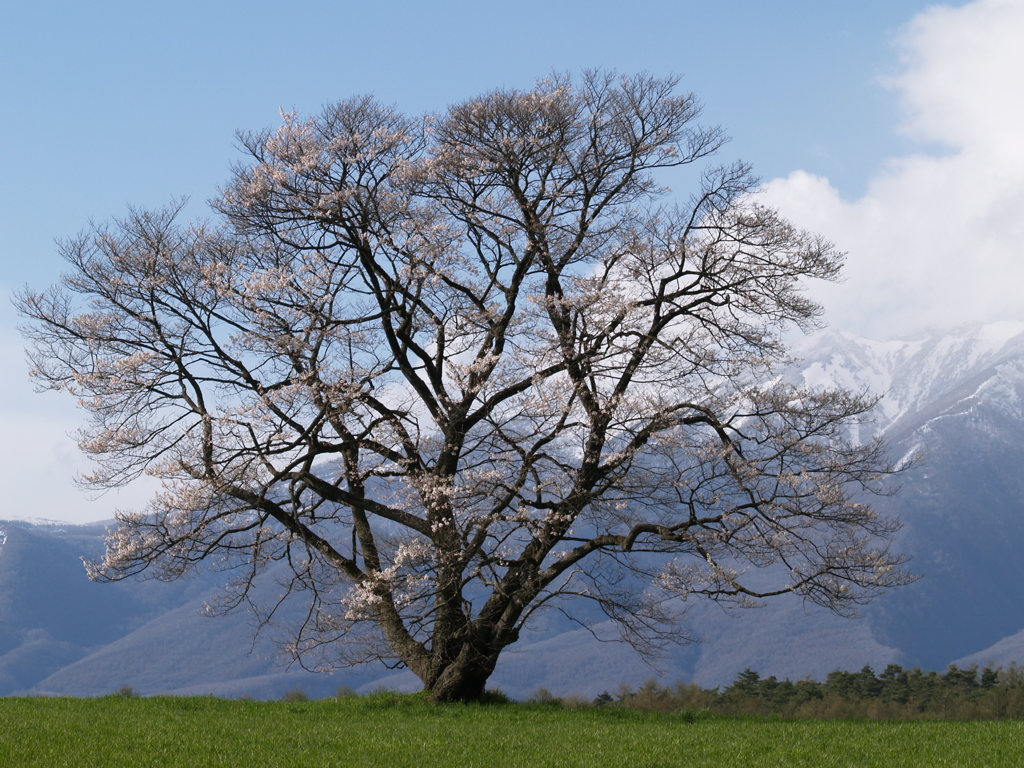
x,y
963,81
938,238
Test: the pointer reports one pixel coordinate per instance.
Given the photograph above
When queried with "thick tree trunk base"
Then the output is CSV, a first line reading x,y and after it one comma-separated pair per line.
x,y
459,684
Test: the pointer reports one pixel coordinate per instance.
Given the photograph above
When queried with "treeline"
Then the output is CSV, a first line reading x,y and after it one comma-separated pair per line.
x,y
896,693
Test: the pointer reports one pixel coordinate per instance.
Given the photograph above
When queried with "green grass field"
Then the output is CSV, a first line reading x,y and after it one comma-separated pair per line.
x,y
391,730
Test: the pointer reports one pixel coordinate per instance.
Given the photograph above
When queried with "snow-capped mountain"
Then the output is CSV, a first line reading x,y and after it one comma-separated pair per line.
x,y
955,399
920,376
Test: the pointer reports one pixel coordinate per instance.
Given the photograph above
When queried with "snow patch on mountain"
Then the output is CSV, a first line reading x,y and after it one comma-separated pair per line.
x,y
953,367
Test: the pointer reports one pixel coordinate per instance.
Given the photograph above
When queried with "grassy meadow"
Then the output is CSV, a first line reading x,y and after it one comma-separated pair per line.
x,y
402,730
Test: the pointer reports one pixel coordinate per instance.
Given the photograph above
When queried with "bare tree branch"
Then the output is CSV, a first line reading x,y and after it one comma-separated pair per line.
x,y
449,371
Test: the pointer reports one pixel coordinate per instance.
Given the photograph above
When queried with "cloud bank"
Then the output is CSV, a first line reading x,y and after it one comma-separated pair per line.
x,y
938,238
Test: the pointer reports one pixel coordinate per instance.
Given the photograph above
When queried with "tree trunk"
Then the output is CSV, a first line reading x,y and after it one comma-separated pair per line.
x,y
459,685
463,680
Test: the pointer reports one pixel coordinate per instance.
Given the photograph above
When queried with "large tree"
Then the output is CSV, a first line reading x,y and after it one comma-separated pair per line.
x,y
453,369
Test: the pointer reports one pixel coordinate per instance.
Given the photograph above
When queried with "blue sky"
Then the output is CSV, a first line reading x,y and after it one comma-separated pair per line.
x,y
109,103
889,125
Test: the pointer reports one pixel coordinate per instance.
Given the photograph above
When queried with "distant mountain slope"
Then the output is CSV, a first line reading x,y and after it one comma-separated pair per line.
x,y
184,651
955,397
50,614
1009,650
62,634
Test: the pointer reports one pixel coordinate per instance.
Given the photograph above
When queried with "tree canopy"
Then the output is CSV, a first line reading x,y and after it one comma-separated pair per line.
x,y
452,369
